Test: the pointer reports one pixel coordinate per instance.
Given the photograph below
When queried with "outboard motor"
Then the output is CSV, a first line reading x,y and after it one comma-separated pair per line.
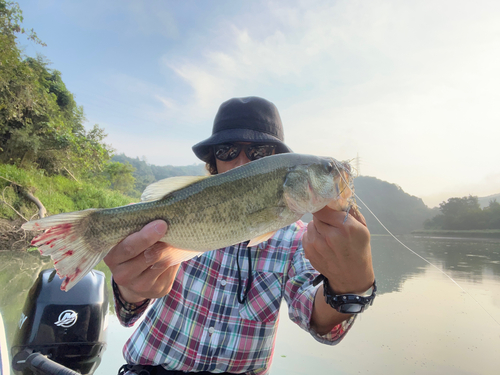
x,y
68,328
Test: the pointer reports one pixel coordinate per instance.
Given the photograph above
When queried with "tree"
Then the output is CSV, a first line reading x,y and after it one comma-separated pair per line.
x,y
464,214
40,122
120,176
492,213
461,213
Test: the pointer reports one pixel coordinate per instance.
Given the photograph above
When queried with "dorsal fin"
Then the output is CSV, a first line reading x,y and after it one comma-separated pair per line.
x,y
159,189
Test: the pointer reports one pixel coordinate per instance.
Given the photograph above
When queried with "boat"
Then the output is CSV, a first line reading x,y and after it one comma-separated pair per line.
x,y
4,353
61,332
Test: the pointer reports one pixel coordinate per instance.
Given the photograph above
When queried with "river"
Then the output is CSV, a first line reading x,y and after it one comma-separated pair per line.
x,y
420,323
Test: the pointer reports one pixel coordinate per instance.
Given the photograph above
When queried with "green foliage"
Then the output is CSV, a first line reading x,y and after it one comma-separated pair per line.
x,y
40,123
465,214
398,211
167,171
48,131
11,18
120,176
146,174
143,174
57,193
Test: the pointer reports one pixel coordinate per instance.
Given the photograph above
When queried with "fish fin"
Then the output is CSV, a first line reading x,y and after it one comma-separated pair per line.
x,y
63,241
159,189
173,256
264,237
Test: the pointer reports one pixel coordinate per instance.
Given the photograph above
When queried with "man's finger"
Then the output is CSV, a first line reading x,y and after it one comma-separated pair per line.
x,y
155,283
126,272
156,252
137,242
329,216
354,211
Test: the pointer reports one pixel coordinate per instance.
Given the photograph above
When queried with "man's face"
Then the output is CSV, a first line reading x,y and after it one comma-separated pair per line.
x,y
242,158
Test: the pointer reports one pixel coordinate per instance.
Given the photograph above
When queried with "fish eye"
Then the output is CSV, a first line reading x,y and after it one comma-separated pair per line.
x,y
330,167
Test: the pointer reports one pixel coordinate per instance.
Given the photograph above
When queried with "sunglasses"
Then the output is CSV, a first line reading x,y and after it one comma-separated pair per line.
x,y
230,151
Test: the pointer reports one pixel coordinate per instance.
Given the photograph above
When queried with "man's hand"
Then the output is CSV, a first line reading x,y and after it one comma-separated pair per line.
x,y
133,263
339,248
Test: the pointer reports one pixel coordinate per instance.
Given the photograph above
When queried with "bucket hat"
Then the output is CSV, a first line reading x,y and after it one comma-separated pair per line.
x,y
249,119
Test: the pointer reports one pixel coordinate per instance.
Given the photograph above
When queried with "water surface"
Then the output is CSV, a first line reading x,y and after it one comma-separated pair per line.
x,y
421,321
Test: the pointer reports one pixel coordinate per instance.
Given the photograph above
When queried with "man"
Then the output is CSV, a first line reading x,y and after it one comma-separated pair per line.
x,y
218,313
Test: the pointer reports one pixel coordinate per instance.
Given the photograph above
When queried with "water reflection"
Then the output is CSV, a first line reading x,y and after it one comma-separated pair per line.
x,y
420,322
463,259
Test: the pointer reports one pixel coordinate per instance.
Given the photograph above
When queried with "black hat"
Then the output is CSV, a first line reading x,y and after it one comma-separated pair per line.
x,y
249,119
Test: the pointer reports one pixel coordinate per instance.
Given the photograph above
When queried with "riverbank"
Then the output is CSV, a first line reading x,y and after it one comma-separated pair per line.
x,y
13,237
475,233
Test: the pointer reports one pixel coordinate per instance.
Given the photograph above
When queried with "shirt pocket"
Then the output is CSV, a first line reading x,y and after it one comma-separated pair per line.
x,y
264,297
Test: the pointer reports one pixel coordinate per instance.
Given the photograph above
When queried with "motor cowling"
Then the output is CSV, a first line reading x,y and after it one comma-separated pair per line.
x,y
67,327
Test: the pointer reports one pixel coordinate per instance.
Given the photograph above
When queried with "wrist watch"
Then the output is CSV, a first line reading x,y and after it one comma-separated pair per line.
x,y
346,303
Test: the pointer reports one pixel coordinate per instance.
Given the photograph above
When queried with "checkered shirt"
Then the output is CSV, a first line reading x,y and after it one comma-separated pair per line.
x,y
200,326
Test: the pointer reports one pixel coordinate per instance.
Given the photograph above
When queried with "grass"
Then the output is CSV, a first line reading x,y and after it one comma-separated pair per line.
x,y
57,193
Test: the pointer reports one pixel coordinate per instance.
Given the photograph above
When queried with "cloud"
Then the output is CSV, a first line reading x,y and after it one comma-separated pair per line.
x,y
406,65
410,86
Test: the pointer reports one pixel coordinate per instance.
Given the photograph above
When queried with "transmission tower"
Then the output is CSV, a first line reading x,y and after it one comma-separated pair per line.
x,y
358,170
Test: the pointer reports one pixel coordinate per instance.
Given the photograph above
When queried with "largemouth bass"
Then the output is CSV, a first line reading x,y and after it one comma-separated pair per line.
x,y
203,213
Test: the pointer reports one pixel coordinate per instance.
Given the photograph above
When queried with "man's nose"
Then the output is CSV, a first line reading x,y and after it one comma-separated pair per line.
x,y
241,159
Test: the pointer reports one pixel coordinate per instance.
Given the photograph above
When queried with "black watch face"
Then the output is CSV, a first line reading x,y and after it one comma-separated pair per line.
x,y
351,308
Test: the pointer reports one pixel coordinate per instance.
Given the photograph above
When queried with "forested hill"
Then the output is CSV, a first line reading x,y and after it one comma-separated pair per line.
x,y
398,211
146,173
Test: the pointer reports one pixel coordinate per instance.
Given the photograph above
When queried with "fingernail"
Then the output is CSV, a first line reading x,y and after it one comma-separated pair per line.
x,y
160,227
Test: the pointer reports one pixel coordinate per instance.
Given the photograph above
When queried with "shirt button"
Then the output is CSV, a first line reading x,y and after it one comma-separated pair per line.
x,y
223,282
211,330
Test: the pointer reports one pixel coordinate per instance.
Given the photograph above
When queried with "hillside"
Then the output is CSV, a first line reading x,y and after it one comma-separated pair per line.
x,y
398,211
485,201
146,174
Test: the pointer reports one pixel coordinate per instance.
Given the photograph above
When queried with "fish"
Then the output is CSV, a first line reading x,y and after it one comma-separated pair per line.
x,y
203,213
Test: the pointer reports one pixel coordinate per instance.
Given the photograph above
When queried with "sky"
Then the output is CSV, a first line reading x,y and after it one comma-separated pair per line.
x,y
412,88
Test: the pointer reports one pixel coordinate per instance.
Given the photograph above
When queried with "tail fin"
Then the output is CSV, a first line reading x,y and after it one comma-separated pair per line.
x,y
63,240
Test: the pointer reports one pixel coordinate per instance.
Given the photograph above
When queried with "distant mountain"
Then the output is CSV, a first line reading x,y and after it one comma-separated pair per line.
x,y
485,201
400,212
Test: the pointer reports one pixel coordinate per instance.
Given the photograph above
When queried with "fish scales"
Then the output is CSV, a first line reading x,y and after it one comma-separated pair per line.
x,y
196,213
210,213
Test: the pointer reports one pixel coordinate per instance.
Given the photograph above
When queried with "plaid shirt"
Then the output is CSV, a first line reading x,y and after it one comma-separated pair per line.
x,y
200,326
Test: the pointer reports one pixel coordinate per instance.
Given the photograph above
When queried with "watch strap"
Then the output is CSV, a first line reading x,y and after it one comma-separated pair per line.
x,y
346,303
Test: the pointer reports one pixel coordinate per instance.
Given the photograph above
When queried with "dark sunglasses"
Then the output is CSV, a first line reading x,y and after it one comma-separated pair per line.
x,y
230,151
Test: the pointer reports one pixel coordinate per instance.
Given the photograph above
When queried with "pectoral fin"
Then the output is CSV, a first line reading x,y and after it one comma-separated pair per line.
x,y
262,238
172,256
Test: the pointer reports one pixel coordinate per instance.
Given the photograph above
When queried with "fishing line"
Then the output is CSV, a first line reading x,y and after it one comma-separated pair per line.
x,y
406,247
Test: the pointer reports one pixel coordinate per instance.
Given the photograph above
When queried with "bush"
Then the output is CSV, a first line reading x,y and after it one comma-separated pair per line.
x,y
57,193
